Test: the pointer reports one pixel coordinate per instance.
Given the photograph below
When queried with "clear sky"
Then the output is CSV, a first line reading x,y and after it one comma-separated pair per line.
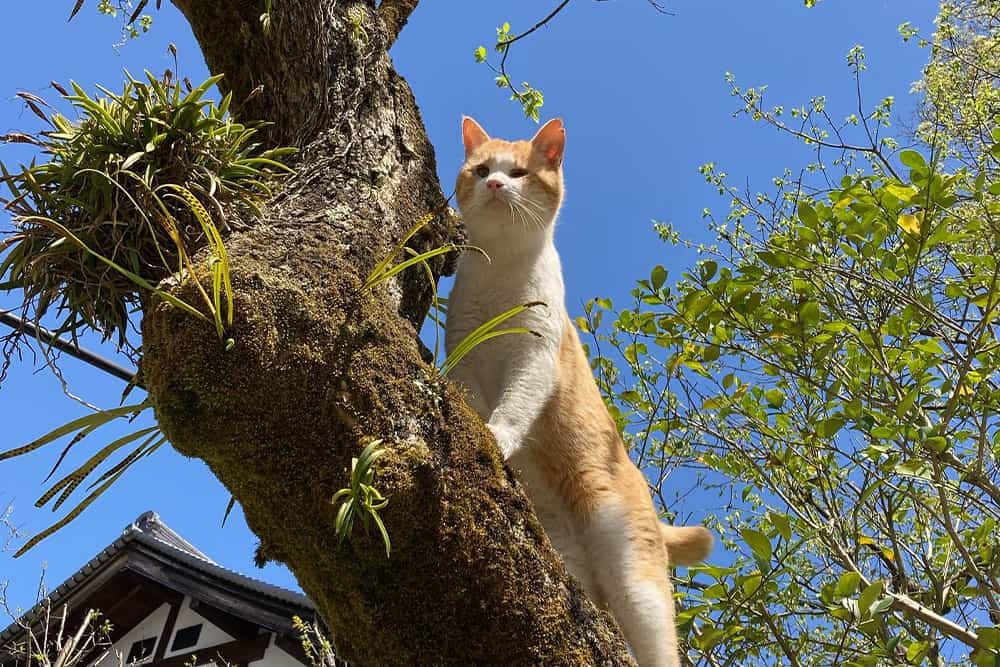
x,y
644,101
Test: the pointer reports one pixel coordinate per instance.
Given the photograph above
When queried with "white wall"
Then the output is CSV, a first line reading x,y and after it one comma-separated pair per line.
x,y
275,657
151,626
211,635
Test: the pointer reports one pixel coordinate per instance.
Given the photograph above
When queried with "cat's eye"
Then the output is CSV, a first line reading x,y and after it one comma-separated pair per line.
x,y
518,173
482,171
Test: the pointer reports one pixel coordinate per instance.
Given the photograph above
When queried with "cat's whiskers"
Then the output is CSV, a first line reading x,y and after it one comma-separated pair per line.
x,y
538,208
531,209
514,210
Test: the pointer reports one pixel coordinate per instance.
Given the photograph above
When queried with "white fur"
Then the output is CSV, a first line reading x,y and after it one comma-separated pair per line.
x,y
641,606
510,377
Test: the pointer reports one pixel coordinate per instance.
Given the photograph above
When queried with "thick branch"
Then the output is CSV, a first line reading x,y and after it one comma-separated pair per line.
x,y
321,366
394,14
301,66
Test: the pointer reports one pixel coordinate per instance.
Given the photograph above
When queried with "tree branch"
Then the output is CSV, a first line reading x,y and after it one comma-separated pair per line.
x,y
394,14
321,366
291,74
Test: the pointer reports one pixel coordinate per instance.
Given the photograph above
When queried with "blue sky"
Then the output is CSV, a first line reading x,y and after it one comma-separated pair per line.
x,y
644,102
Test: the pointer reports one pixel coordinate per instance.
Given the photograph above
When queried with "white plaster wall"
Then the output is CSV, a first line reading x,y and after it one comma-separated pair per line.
x,y
211,635
275,657
151,626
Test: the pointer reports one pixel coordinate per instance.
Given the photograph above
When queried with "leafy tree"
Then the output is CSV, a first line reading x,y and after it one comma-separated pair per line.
x,y
831,367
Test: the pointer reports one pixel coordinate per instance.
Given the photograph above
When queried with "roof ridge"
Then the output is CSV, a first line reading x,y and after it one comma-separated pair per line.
x,y
149,523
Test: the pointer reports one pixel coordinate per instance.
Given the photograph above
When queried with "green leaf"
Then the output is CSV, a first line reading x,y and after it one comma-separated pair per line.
x,y
758,543
487,331
989,637
912,159
707,270
937,443
868,597
751,584
807,214
847,584
905,405
881,606
658,277
809,313
827,428
775,398
917,650
783,523
902,192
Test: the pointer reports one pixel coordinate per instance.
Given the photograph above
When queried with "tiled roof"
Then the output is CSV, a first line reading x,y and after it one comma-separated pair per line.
x,y
152,533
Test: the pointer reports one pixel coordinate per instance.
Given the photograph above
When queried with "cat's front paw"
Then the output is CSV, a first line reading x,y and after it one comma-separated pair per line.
x,y
505,438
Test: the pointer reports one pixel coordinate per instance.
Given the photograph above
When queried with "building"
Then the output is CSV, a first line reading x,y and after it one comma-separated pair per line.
x,y
170,605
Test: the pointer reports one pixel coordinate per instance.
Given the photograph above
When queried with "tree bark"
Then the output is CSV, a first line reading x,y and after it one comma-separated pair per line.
x,y
321,366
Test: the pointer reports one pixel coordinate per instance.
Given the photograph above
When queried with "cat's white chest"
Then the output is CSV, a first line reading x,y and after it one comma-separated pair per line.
x,y
484,290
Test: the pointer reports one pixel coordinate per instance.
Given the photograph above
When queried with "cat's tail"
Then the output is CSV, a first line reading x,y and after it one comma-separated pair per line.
x,y
686,545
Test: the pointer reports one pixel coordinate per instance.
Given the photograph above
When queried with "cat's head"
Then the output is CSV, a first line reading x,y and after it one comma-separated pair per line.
x,y
510,189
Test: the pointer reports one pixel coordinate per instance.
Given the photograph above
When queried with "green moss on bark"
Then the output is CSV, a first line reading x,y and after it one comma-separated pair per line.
x,y
311,378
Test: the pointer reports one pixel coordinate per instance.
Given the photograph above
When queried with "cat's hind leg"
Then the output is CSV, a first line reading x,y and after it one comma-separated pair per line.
x,y
628,562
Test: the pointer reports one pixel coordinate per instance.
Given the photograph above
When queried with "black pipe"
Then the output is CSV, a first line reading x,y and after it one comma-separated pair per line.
x,y
43,335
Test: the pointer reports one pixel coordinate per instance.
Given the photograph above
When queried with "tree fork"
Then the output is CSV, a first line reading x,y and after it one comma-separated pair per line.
x,y
321,366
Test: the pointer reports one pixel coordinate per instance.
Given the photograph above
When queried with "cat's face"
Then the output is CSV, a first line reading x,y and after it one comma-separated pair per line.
x,y
510,188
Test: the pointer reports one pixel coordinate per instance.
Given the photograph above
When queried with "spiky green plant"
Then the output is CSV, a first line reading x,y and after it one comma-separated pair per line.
x,y
129,192
151,438
361,498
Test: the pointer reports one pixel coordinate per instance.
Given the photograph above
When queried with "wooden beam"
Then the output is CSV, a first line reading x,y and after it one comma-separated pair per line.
x,y
235,627
270,614
124,609
230,653
168,630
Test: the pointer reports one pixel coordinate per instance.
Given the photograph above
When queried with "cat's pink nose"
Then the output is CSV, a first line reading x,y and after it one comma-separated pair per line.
x,y
494,184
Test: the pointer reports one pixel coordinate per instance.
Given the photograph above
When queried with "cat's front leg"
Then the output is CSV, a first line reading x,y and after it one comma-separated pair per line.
x,y
528,384
507,439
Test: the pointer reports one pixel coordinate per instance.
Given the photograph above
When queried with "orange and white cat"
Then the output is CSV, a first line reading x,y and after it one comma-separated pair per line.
x,y
539,398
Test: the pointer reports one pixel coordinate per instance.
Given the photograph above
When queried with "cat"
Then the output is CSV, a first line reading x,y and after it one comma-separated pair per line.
x,y
538,396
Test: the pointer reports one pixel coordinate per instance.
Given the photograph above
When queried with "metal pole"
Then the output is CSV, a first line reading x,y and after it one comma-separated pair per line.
x,y
45,336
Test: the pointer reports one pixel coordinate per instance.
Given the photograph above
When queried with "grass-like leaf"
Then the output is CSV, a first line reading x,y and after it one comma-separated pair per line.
x,y
361,498
75,478
152,438
487,331
88,421
75,512
375,277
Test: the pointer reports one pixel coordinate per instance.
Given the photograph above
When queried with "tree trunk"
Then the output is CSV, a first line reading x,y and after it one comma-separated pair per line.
x,y
320,366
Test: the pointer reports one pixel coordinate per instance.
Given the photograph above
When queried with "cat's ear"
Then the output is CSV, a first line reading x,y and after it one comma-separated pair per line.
x,y
550,141
473,135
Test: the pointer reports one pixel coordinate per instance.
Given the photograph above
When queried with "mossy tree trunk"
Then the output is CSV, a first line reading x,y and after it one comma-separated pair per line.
x,y
320,367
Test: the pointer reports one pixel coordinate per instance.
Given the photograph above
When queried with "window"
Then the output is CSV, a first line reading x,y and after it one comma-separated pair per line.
x,y
186,637
141,650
